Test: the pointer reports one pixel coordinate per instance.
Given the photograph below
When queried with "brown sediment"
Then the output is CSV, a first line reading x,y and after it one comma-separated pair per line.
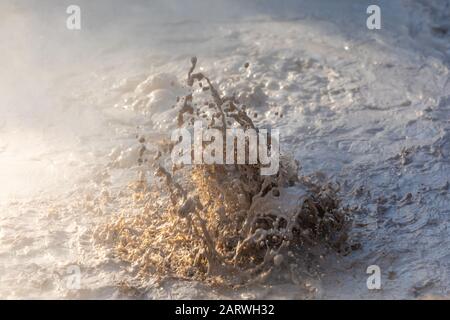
x,y
225,223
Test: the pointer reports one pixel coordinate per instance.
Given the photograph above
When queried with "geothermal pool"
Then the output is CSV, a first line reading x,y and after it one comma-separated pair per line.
x,y
368,109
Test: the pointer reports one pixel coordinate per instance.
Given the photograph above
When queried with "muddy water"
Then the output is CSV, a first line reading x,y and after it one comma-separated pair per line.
x,y
367,109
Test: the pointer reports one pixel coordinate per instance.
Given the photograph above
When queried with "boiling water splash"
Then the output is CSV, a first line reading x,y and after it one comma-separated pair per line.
x,y
225,223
